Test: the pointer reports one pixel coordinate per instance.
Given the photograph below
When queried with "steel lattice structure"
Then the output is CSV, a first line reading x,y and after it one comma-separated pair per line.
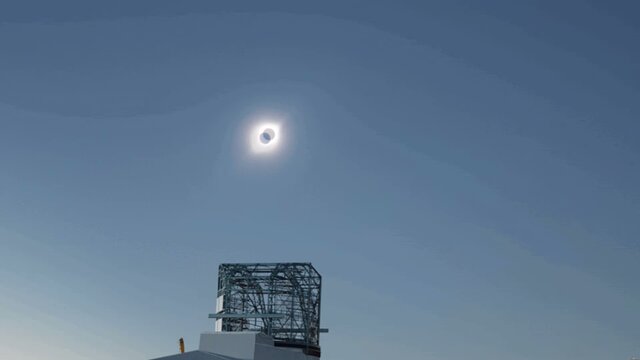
x,y
280,299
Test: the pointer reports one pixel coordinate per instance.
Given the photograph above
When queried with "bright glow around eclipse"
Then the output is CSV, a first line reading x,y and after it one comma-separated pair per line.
x,y
265,137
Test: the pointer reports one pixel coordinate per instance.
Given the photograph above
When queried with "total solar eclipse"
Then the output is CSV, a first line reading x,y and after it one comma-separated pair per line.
x,y
267,136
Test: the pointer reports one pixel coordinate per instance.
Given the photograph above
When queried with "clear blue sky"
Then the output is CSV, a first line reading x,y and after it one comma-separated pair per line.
x,y
464,175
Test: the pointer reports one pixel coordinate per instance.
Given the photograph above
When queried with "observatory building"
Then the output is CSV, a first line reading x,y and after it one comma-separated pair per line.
x,y
263,312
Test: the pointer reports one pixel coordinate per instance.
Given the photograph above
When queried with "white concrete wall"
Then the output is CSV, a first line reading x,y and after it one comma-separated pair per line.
x,y
248,346
239,345
265,352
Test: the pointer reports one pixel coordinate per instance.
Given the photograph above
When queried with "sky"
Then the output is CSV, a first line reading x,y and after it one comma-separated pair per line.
x,y
463,174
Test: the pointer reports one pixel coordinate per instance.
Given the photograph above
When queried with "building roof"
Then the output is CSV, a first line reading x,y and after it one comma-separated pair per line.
x,y
196,355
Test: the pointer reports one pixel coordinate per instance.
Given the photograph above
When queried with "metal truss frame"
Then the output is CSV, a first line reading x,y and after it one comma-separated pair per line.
x,y
279,299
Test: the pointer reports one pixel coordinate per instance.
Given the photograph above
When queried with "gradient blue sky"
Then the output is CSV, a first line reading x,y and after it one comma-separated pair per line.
x,y
464,174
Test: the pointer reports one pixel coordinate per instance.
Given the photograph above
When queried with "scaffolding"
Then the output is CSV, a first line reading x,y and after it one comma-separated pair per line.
x,y
281,300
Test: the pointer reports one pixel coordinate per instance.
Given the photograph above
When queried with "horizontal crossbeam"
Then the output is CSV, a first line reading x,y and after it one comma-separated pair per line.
x,y
247,316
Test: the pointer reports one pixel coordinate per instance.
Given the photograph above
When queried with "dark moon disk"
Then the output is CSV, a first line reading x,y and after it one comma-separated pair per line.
x,y
267,135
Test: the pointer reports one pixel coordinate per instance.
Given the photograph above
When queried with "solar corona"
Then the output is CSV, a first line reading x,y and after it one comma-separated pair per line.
x,y
265,138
